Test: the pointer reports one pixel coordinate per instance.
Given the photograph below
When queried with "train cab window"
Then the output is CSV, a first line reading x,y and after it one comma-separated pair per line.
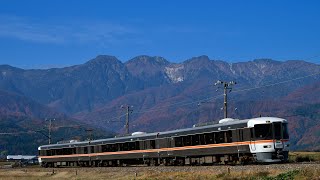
x,y
285,131
263,131
178,141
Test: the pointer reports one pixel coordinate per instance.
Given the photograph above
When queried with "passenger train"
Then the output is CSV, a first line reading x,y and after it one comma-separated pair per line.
x,y
231,141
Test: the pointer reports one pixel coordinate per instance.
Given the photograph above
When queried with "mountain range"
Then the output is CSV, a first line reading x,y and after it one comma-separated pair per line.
x,y
164,95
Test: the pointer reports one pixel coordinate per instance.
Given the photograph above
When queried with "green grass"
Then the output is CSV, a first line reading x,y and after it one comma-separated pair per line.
x,y
304,156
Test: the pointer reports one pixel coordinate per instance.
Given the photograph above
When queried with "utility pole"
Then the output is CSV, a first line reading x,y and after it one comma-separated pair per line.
x,y
227,86
50,129
128,112
89,134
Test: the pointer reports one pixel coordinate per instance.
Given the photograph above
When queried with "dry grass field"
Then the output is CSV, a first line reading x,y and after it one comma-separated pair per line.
x,y
276,171
309,169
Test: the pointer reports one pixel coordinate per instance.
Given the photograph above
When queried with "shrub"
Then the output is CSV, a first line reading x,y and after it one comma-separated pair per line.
x,y
304,158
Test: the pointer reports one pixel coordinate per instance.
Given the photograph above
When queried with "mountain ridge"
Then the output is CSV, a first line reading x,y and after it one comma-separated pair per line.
x,y
165,94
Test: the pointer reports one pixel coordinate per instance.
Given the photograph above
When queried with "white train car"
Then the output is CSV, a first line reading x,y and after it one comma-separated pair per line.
x,y
263,139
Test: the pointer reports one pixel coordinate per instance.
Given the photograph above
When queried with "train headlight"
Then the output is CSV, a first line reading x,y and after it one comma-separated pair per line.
x,y
267,146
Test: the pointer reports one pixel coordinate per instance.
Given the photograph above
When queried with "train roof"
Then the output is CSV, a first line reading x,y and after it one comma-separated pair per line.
x,y
231,124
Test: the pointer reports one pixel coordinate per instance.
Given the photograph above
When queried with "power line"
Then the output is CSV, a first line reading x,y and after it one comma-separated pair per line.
x,y
184,103
273,84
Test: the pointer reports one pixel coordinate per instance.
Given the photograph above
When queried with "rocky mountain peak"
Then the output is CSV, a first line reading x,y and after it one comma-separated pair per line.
x,y
266,61
104,59
144,59
198,61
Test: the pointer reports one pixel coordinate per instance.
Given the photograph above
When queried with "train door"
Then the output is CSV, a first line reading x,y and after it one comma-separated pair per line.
x,y
252,142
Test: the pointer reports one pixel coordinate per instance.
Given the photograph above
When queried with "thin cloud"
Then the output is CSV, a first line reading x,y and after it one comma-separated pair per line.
x,y
23,29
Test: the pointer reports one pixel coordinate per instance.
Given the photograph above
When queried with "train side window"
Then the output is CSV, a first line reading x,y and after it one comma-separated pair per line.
x,y
219,137
186,140
85,150
202,139
125,146
113,147
131,146
209,138
59,152
137,145
142,145
152,144
120,146
42,153
178,141
229,136
251,133
240,134
104,148
246,134
65,151
235,137
195,139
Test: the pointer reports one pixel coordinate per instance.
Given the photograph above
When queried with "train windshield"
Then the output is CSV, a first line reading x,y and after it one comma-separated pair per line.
x,y
277,129
285,131
263,131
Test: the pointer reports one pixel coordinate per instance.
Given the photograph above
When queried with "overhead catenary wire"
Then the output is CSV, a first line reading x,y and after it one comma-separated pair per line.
x,y
277,83
184,103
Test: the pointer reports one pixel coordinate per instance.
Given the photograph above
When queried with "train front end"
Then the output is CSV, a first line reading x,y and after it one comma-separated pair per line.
x,y
270,143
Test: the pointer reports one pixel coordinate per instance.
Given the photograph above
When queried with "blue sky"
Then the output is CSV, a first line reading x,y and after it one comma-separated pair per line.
x,y
43,33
